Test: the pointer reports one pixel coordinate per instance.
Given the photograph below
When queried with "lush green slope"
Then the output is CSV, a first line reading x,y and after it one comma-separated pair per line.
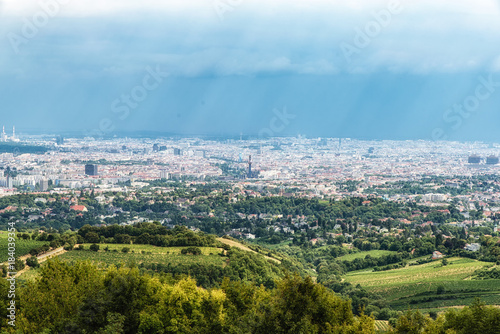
x,y
430,285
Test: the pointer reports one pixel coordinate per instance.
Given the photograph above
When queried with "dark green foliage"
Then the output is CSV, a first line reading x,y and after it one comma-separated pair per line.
x,y
32,262
124,301
191,250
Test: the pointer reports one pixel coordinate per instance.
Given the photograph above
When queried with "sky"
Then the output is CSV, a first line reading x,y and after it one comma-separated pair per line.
x,y
365,69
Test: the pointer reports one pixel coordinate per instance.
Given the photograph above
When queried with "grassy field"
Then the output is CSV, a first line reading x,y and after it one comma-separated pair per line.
x,y
173,257
430,285
361,255
154,249
22,246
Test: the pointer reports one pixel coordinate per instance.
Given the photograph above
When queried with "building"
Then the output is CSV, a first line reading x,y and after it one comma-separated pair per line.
x,y
44,185
80,208
177,151
437,255
474,159
164,174
474,247
10,182
4,135
201,153
91,170
156,148
492,160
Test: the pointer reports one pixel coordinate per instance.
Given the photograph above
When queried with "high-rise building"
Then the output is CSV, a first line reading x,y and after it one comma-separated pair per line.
x,y
164,174
44,185
156,148
59,140
10,182
492,160
91,170
474,159
177,151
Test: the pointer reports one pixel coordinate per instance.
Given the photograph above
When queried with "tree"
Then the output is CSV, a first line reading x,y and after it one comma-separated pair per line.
x,y
32,262
92,237
94,247
191,250
19,264
412,322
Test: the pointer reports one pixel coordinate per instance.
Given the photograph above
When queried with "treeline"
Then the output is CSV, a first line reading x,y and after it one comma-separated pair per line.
x,y
475,319
369,261
124,301
147,234
22,148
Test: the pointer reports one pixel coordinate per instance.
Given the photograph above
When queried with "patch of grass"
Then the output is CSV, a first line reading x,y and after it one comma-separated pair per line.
x,y
417,286
362,255
154,249
143,254
22,246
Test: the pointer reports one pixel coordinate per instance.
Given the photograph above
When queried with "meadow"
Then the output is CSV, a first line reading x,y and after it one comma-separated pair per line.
x,y
146,254
430,285
154,249
22,246
362,255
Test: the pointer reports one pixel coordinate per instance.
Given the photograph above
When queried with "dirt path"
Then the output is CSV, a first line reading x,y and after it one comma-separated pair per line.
x,y
41,258
245,248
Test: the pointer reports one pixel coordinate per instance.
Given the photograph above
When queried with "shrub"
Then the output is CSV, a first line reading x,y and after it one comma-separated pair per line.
x,y
191,250
32,262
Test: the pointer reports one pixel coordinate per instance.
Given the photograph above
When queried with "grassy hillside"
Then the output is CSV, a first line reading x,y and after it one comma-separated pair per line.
x,y
22,246
208,267
163,255
362,255
430,285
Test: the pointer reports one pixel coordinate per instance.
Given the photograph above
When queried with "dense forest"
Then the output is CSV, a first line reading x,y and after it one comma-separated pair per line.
x,y
80,298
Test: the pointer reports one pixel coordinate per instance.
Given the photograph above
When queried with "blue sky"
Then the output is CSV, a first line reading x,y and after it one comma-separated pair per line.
x,y
361,69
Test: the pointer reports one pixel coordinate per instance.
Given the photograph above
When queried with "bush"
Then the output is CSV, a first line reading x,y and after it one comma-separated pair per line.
x,y
191,250
125,249
94,247
32,262
19,264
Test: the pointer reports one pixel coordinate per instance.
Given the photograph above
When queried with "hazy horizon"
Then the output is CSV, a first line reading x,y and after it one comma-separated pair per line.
x,y
366,69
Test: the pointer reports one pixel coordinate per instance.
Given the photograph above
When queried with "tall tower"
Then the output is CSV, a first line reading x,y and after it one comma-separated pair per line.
x,y
249,166
4,136
13,133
